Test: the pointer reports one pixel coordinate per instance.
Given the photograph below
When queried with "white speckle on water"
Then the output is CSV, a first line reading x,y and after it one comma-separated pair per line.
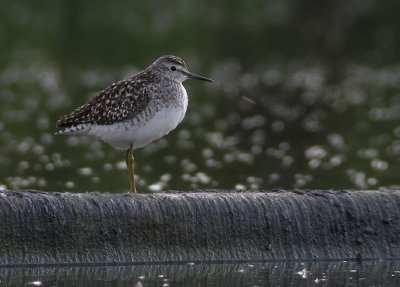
x,y
245,157
277,153
186,177
69,184
336,160
107,166
158,186
302,179
240,187
38,149
23,165
336,141
184,134
372,181
228,157
207,153
85,171
41,182
120,165
278,126
378,164
203,178
72,141
166,177
46,138
273,177
170,159
357,177
188,166
314,163
44,158
56,156
315,152
287,160
213,163
49,166
42,123
303,273
35,283
367,153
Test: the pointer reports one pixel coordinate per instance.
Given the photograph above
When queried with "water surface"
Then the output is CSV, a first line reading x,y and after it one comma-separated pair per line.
x,y
340,273
305,95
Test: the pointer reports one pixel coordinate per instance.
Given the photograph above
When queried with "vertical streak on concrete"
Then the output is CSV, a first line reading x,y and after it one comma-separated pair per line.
x,y
44,228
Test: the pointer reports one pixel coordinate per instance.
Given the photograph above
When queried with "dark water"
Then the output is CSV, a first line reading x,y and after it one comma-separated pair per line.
x,y
384,273
324,78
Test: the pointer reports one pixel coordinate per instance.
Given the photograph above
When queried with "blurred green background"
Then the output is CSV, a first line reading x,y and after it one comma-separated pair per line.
x,y
324,77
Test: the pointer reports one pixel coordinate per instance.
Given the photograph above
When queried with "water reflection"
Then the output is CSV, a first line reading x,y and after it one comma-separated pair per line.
x,y
373,273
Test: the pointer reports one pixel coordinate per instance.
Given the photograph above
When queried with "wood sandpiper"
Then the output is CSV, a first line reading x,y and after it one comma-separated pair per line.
x,y
134,112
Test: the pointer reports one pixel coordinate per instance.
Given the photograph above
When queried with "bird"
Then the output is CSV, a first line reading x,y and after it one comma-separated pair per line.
x,y
134,112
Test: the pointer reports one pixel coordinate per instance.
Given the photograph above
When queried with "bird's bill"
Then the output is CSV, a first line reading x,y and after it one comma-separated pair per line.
x,y
197,77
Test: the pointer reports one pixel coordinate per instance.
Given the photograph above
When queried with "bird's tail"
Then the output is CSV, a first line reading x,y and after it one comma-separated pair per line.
x,y
80,129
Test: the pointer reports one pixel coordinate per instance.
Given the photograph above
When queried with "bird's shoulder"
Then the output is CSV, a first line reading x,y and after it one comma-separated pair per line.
x,y
122,100
132,87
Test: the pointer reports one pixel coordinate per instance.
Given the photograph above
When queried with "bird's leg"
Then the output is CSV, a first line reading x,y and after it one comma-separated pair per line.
x,y
129,164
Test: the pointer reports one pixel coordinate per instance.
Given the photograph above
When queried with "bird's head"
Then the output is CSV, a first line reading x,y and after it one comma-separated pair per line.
x,y
174,68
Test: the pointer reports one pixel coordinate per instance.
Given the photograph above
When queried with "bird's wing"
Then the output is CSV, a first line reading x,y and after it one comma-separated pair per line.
x,y
122,100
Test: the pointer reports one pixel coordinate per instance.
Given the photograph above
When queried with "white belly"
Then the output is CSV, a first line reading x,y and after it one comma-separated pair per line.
x,y
122,135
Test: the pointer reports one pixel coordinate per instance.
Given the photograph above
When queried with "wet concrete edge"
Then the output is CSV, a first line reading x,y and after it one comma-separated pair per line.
x,y
210,225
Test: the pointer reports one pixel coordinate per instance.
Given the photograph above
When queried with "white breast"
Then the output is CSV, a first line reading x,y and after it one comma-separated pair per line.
x,y
123,134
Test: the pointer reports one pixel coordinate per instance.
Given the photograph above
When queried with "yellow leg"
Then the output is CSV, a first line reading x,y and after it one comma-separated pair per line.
x,y
129,164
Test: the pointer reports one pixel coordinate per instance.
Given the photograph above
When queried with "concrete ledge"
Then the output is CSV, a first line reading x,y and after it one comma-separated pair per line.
x,y
63,228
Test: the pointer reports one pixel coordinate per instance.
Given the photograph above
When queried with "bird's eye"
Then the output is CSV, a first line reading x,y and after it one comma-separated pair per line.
x,y
173,68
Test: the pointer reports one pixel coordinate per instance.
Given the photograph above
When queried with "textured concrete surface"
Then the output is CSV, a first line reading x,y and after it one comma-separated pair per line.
x,y
54,228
